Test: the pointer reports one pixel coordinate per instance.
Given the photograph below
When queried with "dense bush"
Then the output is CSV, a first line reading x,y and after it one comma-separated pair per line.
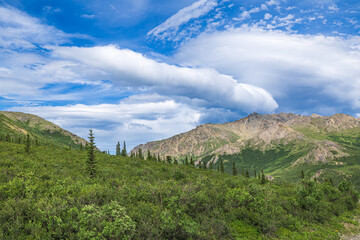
x,y
48,194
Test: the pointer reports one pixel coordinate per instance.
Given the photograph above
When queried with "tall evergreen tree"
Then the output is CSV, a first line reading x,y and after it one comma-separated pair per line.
x,y
302,174
81,147
247,174
234,169
158,157
222,166
186,160
175,161
91,163
140,155
117,149
211,165
168,159
27,143
149,157
191,161
124,151
255,174
204,165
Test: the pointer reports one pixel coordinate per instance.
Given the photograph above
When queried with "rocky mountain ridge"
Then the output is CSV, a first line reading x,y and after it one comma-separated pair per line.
x,y
260,132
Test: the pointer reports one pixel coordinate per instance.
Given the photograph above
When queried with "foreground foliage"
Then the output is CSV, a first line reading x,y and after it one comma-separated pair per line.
x,y
48,194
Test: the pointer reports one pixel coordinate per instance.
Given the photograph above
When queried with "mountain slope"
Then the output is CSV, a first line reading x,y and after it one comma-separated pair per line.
x,y
16,125
271,142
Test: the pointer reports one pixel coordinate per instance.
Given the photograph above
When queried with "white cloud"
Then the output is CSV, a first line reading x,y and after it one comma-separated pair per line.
x,y
172,24
246,14
89,16
272,2
333,8
267,16
133,69
19,30
137,119
281,62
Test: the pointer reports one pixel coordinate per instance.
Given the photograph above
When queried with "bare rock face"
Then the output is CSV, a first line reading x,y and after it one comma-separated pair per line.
x,y
322,152
259,132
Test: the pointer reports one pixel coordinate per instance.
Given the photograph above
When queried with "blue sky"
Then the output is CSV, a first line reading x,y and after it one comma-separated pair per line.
x,y
142,70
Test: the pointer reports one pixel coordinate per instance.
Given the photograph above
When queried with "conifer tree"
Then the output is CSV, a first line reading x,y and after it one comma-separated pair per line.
x,y
27,143
204,164
255,174
211,165
191,161
149,157
222,166
247,174
186,160
81,147
158,157
117,152
175,161
140,155
168,159
302,174
124,151
91,163
234,169
132,154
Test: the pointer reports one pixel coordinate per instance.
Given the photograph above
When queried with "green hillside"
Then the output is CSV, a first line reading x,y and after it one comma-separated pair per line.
x,y
47,194
14,126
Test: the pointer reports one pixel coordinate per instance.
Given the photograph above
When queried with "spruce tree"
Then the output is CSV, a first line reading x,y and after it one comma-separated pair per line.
x,y
140,155
91,163
302,174
27,143
117,149
81,147
186,160
124,151
175,161
234,169
204,164
149,157
247,174
168,159
158,157
222,166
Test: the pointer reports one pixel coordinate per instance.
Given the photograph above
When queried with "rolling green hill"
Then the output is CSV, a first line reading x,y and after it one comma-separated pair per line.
x,y
14,126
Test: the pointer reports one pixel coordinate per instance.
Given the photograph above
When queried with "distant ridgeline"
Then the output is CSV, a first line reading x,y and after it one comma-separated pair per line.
x,y
280,144
15,126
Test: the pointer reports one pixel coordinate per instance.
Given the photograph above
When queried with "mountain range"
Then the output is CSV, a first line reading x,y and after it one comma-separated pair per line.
x,y
276,143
